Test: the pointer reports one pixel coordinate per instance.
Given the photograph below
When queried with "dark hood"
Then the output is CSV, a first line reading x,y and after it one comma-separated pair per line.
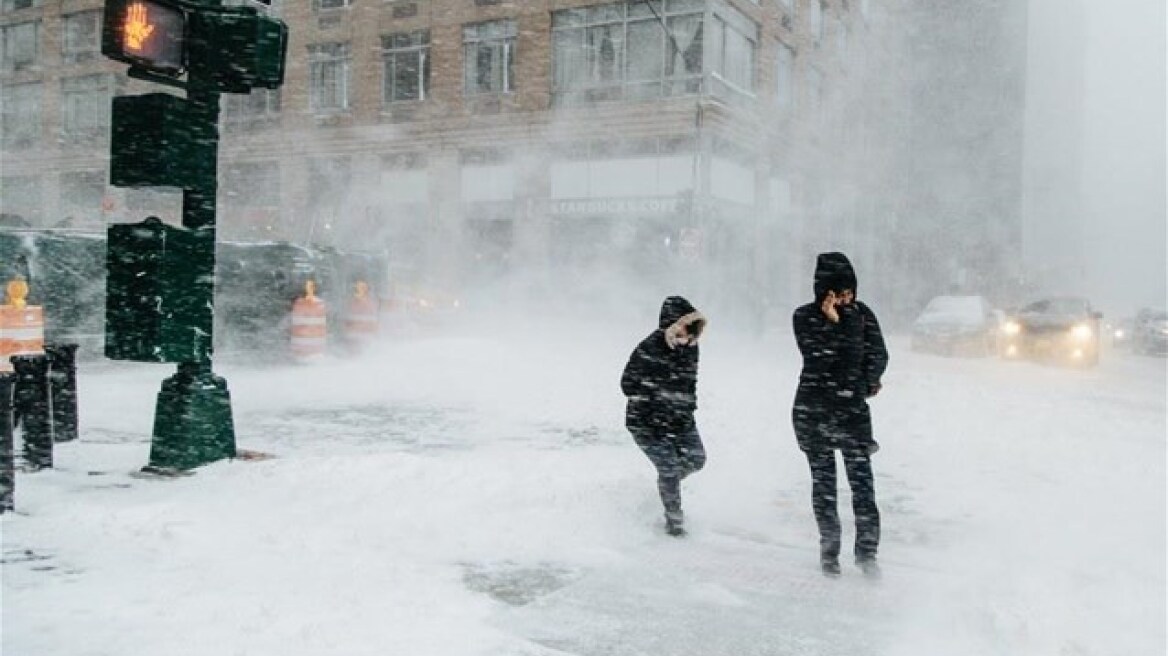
x,y
834,272
674,308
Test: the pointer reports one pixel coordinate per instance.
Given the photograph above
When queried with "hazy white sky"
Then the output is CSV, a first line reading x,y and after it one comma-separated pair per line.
x,y
1124,144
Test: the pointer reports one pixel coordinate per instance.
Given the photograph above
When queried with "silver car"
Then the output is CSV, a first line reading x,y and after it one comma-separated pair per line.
x,y
1150,332
956,325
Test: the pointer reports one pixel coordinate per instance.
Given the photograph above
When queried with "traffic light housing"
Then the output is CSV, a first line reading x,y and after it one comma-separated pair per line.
x,y
231,49
238,49
157,140
148,34
159,280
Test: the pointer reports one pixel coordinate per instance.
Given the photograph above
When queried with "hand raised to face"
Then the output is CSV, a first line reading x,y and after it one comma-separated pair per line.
x,y
828,307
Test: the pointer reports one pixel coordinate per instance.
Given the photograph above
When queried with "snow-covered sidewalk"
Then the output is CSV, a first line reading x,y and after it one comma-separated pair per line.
x,y
480,496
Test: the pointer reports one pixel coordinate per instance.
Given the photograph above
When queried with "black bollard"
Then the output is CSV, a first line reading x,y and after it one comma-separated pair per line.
x,y
7,450
32,409
63,390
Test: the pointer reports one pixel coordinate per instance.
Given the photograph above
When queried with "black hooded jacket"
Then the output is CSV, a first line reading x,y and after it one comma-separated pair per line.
x,y
660,380
842,364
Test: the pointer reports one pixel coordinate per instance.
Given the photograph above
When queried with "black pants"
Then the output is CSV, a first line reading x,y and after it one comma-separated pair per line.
x,y
675,455
858,466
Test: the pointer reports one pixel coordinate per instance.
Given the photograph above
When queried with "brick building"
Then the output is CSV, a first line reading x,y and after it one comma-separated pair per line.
x,y
469,137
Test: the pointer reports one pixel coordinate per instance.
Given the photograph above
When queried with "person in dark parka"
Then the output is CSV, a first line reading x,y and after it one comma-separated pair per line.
x,y
844,358
660,381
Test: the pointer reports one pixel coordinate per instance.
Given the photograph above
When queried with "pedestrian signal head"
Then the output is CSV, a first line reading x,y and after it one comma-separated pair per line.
x,y
149,34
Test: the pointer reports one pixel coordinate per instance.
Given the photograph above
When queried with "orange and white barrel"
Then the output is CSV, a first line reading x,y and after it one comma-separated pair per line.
x,y
22,326
361,320
309,325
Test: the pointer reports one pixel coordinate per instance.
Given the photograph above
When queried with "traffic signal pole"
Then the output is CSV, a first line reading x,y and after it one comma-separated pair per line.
x,y
193,421
161,279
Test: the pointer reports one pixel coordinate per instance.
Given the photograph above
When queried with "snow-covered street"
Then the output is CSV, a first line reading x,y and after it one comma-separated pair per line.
x,y
480,495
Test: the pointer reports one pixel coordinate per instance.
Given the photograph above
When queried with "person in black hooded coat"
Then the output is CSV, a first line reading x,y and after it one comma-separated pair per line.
x,y
660,381
844,358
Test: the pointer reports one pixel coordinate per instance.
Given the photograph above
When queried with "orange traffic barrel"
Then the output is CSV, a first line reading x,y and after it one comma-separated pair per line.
x,y
309,325
361,321
22,326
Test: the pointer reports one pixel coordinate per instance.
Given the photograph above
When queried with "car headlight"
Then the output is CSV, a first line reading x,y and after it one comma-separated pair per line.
x,y
1012,328
1081,332
1119,333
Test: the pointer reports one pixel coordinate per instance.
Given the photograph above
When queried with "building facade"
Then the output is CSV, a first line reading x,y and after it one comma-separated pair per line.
x,y
469,138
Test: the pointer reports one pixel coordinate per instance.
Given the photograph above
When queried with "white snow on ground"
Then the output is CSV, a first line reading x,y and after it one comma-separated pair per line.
x,y
479,495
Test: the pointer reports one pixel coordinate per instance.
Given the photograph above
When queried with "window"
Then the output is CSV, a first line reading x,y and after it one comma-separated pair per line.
x,y
590,53
732,49
20,45
622,50
487,176
816,19
81,40
404,179
22,197
327,5
81,193
489,57
329,180
645,60
251,184
637,169
329,77
814,89
407,66
257,105
785,78
85,108
20,125
14,5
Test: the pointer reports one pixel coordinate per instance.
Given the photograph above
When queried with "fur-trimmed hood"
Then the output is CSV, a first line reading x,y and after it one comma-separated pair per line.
x,y
678,316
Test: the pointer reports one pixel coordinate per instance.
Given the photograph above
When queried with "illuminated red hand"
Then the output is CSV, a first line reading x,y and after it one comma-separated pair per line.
x,y
138,27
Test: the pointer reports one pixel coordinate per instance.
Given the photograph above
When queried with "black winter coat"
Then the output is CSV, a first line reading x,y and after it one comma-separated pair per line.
x,y
660,380
842,366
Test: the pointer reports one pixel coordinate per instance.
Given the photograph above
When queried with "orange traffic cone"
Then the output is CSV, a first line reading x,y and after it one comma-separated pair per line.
x,y
22,326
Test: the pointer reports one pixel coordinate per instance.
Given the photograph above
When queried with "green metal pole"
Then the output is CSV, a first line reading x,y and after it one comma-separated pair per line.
x,y
193,423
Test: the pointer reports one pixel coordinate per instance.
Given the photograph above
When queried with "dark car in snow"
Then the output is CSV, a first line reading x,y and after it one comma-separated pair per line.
x,y
1150,332
1063,329
956,325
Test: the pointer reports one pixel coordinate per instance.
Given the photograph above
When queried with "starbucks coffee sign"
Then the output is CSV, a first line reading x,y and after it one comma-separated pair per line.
x,y
614,206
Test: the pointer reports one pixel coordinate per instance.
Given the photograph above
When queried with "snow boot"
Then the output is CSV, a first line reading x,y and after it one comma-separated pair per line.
x,y
830,566
869,567
675,523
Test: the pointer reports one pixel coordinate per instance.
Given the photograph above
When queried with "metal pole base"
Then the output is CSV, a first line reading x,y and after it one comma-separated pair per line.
x,y
7,450
192,420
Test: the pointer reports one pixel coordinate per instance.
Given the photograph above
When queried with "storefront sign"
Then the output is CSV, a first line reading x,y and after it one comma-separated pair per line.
x,y
614,206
